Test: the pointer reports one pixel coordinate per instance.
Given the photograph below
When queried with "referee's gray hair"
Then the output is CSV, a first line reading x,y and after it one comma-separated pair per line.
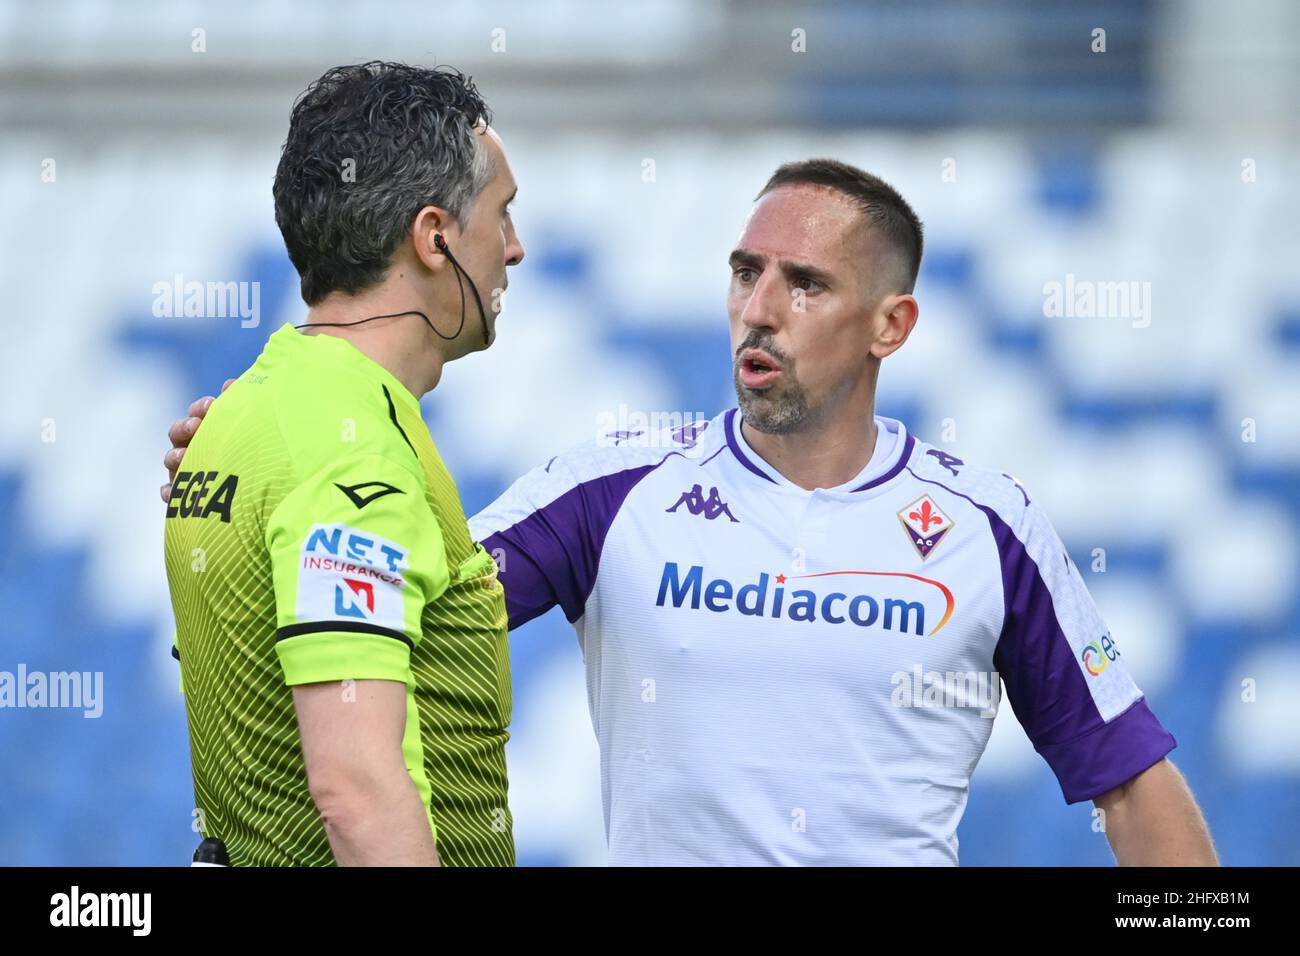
x,y
411,138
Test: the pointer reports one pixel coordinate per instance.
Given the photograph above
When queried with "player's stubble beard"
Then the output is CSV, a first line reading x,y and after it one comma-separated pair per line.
x,y
779,410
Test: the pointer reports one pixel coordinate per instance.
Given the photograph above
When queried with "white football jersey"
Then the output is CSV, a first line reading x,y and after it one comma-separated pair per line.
x,y
782,676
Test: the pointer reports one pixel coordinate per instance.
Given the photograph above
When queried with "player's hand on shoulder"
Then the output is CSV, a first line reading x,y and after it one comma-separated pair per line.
x,y
180,433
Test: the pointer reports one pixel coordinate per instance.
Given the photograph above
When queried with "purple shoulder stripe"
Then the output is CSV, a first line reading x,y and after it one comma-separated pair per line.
x,y
1048,691
552,556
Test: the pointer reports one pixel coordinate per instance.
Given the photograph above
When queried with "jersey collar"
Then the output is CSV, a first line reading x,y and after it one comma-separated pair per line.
x,y
871,476
336,351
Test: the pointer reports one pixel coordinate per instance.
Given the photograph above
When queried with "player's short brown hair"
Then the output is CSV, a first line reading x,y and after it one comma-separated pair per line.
x,y
886,210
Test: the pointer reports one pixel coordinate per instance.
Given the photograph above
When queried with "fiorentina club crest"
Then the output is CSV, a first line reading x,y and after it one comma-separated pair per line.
x,y
926,525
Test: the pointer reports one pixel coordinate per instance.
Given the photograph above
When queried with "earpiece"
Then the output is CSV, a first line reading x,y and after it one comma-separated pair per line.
x,y
441,245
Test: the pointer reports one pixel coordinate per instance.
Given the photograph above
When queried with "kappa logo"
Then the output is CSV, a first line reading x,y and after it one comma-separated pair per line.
x,y
711,507
1019,487
619,437
360,498
688,436
353,598
925,525
945,459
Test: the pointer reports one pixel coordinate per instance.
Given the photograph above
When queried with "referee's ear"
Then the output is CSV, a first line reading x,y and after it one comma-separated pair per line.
x,y
431,222
894,320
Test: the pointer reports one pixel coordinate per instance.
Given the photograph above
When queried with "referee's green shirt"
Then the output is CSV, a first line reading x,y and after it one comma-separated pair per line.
x,y
315,535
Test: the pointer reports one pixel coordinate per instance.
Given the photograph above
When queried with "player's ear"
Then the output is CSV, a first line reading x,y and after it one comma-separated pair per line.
x,y
429,223
895,320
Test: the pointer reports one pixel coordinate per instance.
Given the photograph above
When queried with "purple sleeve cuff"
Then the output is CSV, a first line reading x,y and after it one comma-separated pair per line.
x,y
1111,754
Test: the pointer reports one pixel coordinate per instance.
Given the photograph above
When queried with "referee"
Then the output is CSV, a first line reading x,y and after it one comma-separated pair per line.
x,y
342,638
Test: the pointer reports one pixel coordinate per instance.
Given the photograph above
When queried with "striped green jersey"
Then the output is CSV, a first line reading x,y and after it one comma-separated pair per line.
x,y
315,535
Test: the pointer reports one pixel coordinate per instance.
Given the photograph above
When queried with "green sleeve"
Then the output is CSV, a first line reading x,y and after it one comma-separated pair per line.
x,y
356,555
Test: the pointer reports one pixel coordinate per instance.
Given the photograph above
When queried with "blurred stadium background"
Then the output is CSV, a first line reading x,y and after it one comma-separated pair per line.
x,y
137,145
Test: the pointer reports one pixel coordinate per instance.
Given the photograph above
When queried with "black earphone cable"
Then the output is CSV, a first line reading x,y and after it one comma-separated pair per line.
x,y
441,244
460,284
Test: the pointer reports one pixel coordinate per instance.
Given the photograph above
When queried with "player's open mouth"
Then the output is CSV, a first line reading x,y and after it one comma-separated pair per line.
x,y
758,369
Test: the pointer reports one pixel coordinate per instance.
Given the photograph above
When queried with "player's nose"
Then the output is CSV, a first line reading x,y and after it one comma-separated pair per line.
x,y
763,309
